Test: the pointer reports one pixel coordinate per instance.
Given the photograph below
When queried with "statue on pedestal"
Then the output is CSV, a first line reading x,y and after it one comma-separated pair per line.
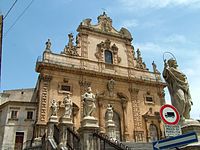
x,y
48,45
178,88
68,106
88,103
54,108
109,113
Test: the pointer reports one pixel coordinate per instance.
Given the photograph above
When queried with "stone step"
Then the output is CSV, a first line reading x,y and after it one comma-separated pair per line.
x,y
139,146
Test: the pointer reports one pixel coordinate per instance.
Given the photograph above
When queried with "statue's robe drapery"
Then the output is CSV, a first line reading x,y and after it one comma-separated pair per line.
x,y
179,90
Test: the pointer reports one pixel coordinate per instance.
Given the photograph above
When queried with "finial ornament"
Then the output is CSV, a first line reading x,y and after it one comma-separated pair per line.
x,y
70,48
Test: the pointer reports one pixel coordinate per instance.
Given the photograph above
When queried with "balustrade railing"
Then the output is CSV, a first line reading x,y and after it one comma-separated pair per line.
x,y
73,140
56,134
106,142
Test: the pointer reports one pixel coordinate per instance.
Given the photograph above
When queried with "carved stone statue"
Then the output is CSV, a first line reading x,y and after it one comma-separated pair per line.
x,y
111,86
54,108
154,67
178,88
48,45
109,113
68,106
88,103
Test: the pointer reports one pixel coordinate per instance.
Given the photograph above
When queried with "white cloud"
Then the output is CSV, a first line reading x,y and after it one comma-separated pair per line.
x,y
130,4
130,23
149,47
176,38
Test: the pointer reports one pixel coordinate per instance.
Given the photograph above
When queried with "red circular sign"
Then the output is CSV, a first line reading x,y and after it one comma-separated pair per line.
x,y
169,114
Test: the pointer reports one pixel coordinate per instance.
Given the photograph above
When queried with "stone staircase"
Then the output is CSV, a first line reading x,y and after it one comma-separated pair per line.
x,y
139,146
134,146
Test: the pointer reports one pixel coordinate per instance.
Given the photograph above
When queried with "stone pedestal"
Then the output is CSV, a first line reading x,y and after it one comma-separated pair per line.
x,y
52,120
64,124
89,121
189,126
110,129
88,126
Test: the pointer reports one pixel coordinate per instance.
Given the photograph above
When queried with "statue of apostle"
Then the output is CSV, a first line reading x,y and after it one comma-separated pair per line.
x,y
88,102
178,88
68,106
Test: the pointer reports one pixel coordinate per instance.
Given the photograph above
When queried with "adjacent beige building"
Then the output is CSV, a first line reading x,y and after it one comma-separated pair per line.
x,y
17,118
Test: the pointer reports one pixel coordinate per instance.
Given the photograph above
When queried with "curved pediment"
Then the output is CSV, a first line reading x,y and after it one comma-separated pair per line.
x,y
104,25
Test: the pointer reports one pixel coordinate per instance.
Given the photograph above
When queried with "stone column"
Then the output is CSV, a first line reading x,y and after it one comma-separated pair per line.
x,y
64,124
50,133
100,115
124,106
88,126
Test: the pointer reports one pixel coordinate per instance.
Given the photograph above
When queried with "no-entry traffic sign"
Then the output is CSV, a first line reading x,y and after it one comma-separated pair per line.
x,y
169,114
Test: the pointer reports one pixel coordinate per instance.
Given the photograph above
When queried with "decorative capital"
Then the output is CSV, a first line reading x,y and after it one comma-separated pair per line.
x,y
134,90
46,77
85,84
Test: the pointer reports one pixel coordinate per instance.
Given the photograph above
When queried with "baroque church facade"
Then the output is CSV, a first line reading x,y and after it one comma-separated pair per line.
x,y
104,59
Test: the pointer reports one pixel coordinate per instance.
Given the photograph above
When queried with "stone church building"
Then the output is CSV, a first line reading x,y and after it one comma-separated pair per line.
x,y
104,59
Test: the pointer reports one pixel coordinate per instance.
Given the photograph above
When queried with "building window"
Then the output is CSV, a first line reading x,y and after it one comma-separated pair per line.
x,y
108,57
29,115
65,88
149,99
13,114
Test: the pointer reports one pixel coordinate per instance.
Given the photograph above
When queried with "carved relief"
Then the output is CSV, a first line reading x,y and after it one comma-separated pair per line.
x,y
105,22
84,45
140,64
137,117
131,55
70,48
110,87
101,47
44,97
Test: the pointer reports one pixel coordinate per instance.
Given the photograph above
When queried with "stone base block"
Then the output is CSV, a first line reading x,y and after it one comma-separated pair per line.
x,y
53,119
66,120
110,123
89,121
189,126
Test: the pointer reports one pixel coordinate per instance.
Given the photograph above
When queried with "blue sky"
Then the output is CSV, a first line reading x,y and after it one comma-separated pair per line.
x,y
156,26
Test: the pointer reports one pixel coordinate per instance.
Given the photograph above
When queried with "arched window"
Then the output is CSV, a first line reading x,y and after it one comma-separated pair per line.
x,y
108,57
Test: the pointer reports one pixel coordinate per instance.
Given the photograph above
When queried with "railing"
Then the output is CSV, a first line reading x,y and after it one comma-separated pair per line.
x,y
106,142
73,140
75,62
56,134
